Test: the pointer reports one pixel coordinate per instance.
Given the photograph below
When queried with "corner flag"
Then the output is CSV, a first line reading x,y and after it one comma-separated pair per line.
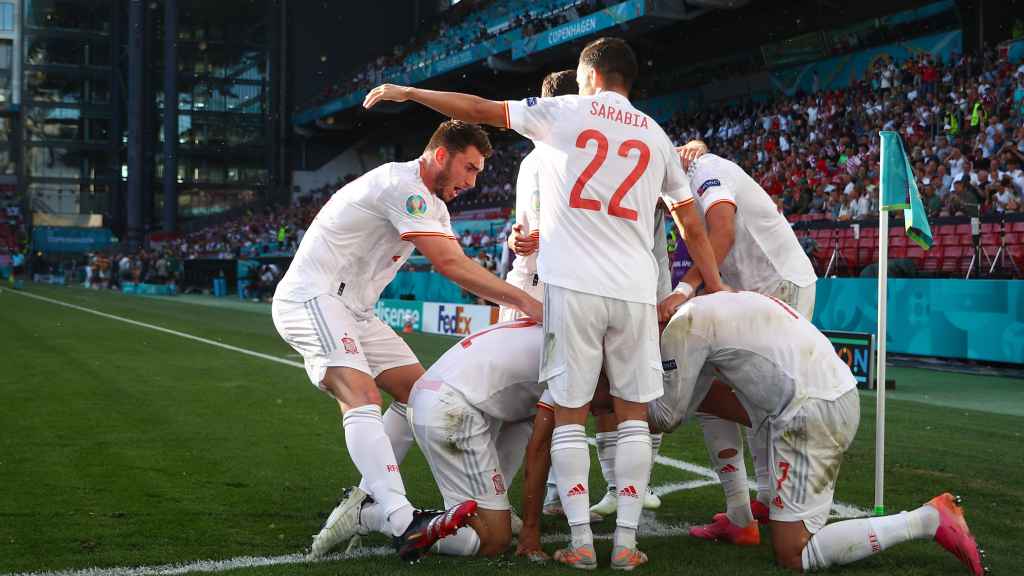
x,y
899,190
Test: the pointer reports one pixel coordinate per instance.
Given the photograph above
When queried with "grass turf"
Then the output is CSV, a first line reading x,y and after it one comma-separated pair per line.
x,y
123,446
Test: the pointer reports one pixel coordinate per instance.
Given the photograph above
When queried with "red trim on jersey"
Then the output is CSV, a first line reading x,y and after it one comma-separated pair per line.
x,y
686,202
523,323
508,121
408,235
784,306
717,202
545,406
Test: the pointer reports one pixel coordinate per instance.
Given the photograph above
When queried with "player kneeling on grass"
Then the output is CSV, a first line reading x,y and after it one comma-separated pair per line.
x,y
785,375
471,415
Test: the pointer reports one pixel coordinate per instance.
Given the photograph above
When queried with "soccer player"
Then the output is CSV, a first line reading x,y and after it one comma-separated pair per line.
x,y
786,377
323,308
607,164
756,251
471,415
526,233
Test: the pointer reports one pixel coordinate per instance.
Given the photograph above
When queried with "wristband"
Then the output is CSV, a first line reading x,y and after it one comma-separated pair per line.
x,y
684,289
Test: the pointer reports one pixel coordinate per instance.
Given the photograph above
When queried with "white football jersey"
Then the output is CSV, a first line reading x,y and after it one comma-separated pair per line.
x,y
361,237
604,165
497,369
524,268
765,251
771,356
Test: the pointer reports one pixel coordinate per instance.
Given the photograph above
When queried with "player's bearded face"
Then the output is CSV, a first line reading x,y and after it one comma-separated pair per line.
x,y
458,173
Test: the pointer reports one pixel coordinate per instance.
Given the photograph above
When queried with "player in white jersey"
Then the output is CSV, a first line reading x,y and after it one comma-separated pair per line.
x,y
471,414
607,164
525,236
757,251
786,377
323,307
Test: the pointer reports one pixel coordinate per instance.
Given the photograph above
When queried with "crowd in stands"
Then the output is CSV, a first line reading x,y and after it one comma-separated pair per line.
x,y
468,24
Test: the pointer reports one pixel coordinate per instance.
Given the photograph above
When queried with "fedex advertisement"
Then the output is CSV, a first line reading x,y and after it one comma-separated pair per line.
x,y
457,319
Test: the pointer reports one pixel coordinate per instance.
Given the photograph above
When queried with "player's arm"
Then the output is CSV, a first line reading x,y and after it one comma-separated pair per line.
x,y
522,241
696,237
721,227
538,462
448,258
465,107
661,256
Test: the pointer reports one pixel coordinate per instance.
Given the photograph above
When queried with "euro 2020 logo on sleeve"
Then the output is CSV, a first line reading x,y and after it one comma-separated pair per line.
x,y
416,205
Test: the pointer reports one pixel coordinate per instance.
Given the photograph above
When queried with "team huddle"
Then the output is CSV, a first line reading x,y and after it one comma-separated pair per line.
x,y
591,325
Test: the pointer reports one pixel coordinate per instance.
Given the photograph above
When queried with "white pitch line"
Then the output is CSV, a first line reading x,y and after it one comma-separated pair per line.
x,y
159,329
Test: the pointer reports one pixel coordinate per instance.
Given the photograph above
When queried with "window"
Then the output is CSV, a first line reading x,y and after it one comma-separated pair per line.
x,y
53,124
52,162
52,87
6,17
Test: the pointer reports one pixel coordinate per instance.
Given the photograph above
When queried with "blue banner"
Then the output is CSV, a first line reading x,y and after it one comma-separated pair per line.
x,y
963,319
56,239
613,16
470,55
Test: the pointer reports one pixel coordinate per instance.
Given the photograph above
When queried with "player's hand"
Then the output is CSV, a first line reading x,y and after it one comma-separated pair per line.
x,y
667,308
522,243
691,151
534,309
386,92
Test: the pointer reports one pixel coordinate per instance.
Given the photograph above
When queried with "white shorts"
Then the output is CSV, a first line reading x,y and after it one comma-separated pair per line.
x,y
459,443
326,333
583,332
506,313
806,454
799,298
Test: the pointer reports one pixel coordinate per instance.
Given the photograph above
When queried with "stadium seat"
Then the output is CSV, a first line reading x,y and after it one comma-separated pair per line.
x,y
848,244
865,256
990,240
1011,238
963,228
990,228
866,243
898,252
966,240
950,259
847,233
898,241
945,229
869,232
915,253
931,263
1016,227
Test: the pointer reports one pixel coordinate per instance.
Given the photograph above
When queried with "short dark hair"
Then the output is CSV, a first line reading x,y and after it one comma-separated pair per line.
x,y
456,136
559,84
613,58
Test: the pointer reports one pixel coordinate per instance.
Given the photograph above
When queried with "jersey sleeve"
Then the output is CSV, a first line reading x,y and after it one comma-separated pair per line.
x,y
683,352
675,189
413,214
711,188
534,118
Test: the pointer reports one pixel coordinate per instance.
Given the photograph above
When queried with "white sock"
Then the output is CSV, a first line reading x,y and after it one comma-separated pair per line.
x,y
570,458
851,540
725,448
757,443
371,452
632,472
399,431
465,542
373,519
655,449
606,446
511,446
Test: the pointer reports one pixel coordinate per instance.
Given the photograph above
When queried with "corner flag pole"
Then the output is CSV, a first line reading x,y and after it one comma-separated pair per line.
x,y
883,281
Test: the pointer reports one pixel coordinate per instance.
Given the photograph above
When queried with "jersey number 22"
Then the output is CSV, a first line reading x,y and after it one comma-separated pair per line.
x,y
615,208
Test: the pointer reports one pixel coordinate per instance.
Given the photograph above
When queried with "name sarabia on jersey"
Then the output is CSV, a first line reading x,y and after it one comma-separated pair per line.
x,y
618,115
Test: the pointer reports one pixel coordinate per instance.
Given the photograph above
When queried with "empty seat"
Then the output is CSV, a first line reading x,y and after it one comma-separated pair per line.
x,y
989,239
898,241
915,252
945,229
990,228
966,240
963,229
